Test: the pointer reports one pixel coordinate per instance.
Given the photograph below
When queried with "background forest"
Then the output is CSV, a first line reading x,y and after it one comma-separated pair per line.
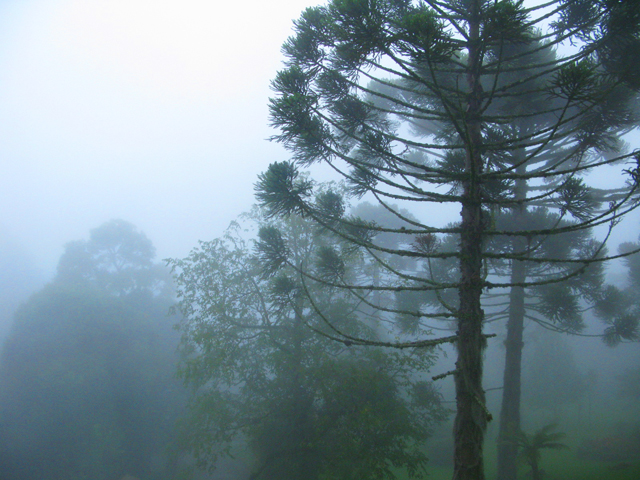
x,y
90,387
459,299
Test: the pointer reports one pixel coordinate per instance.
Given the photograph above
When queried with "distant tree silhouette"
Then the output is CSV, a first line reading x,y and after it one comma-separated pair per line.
x,y
87,372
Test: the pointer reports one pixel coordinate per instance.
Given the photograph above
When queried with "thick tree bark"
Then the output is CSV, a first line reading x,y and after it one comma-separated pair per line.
x,y
510,411
471,418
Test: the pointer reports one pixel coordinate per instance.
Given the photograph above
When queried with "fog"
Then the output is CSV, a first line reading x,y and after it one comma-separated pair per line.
x,y
145,124
155,112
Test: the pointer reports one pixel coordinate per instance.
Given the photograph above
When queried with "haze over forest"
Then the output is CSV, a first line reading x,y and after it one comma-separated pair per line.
x,y
155,112
134,133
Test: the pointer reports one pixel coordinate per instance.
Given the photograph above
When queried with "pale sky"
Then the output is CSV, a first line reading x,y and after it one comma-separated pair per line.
x,y
153,111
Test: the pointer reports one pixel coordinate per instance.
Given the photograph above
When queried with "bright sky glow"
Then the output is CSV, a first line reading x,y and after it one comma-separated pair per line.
x,y
187,50
150,111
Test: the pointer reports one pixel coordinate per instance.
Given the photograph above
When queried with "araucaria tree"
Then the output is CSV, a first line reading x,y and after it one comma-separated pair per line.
x,y
430,102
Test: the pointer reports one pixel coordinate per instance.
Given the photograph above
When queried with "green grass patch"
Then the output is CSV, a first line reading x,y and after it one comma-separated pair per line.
x,y
558,466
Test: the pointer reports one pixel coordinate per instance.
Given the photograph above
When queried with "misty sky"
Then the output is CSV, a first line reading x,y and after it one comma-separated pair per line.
x,y
151,111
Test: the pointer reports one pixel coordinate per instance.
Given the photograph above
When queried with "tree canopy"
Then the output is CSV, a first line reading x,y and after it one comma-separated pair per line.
x,y
117,258
88,370
265,375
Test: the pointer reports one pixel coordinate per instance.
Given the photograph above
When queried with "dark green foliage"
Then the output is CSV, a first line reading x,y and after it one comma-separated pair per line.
x,y
331,207
283,290
559,305
619,307
624,327
421,36
329,264
611,301
615,24
264,374
330,204
282,189
544,120
505,21
553,305
576,199
272,250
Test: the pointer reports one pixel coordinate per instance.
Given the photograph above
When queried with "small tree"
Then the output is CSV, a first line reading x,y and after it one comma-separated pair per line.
x,y
266,377
531,445
361,74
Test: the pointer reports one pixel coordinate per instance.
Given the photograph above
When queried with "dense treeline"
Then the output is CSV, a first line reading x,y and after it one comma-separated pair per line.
x,y
88,370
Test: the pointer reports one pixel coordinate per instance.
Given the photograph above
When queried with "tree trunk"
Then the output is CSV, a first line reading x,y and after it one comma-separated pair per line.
x,y
536,474
510,411
471,418
305,465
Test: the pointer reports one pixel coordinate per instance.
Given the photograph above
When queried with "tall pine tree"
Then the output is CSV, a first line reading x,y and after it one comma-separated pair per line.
x,y
363,79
